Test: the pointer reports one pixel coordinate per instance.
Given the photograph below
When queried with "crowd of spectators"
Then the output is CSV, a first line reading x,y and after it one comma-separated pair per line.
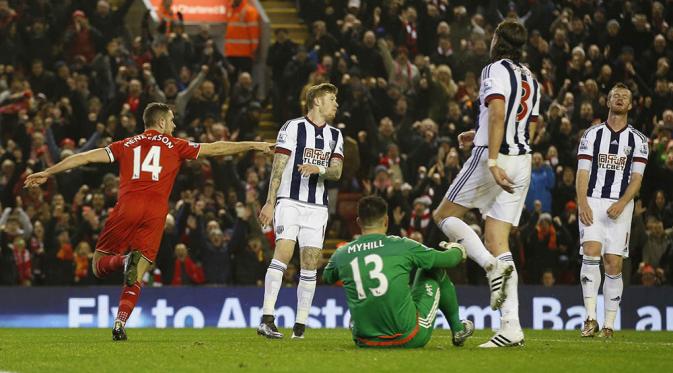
x,y
73,78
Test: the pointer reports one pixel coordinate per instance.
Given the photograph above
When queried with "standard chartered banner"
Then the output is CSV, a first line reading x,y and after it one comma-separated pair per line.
x,y
239,307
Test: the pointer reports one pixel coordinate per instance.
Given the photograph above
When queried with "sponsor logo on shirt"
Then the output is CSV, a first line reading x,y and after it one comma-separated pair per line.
x,y
316,157
611,162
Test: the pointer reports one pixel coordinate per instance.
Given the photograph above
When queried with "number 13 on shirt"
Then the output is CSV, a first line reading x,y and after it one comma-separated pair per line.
x,y
374,274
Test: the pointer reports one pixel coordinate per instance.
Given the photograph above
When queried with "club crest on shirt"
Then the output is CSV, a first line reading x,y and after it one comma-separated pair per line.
x,y
627,150
332,144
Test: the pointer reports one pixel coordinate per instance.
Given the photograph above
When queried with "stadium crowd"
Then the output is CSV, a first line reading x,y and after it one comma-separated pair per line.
x,y
73,78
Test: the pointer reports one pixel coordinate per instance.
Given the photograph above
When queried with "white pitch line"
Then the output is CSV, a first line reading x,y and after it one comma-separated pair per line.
x,y
578,339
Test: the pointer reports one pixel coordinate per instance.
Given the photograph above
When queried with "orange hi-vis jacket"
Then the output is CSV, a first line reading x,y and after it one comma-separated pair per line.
x,y
242,37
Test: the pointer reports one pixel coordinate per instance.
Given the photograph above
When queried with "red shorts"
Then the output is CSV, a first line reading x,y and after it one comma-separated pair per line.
x,y
134,224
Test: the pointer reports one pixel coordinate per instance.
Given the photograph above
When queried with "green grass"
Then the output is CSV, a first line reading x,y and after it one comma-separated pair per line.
x,y
231,350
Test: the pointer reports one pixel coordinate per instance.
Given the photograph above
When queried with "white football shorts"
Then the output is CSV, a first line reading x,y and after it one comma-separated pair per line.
x,y
474,186
613,235
300,222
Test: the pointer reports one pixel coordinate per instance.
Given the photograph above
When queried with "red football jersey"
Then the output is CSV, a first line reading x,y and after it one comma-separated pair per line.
x,y
149,163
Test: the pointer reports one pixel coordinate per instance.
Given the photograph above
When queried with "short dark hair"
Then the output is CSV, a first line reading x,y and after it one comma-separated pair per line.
x,y
318,90
511,38
154,112
371,209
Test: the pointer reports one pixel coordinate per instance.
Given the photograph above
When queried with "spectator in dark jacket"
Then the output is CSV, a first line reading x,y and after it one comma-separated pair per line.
x,y
217,258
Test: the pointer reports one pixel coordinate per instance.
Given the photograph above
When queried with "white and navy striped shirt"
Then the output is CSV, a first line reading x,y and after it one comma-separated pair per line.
x,y
611,158
306,143
515,84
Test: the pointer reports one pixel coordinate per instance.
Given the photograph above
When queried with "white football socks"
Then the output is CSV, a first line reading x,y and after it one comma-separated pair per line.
x,y
457,231
305,291
612,294
272,283
510,307
590,278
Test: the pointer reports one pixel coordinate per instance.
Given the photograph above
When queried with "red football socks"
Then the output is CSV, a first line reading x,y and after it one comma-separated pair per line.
x,y
127,301
108,264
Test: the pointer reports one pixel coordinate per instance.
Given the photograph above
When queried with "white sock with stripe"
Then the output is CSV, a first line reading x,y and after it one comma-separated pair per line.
x,y
305,291
272,283
510,307
590,278
457,231
612,294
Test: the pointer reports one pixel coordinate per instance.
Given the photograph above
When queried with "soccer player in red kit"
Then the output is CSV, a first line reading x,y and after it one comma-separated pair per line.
x,y
148,165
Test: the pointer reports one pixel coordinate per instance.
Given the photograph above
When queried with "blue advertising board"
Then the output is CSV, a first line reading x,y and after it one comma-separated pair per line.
x,y
240,307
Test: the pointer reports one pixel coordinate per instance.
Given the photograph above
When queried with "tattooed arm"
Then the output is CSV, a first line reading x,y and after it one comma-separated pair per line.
x,y
279,162
333,172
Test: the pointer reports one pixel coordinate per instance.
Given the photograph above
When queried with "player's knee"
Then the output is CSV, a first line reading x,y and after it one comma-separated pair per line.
x,y
613,266
438,217
591,248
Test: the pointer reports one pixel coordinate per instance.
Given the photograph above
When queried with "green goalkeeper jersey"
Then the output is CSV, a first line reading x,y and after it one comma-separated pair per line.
x,y
375,270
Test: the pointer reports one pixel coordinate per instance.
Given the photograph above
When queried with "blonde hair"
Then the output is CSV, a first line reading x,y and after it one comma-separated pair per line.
x,y
317,91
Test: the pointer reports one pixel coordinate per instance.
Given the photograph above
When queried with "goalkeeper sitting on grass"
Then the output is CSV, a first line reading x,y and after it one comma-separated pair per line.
x,y
375,271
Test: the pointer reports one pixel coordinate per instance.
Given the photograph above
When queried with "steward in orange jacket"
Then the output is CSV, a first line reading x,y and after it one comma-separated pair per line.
x,y
242,37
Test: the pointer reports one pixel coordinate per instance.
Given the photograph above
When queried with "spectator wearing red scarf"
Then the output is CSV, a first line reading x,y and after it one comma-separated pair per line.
x,y
22,260
186,271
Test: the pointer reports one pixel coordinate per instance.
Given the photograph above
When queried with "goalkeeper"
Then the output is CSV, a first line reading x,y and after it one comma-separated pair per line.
x,y
375,271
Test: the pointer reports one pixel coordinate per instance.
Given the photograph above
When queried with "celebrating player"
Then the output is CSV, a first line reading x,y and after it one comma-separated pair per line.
x,y
375,271
298,196
496,177
148,165
611,162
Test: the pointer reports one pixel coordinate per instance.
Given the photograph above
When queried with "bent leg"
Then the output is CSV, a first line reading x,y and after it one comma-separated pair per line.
x,y
448,216
104,264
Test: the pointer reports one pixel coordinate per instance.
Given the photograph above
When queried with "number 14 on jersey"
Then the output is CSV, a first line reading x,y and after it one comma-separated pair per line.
x,y
149,164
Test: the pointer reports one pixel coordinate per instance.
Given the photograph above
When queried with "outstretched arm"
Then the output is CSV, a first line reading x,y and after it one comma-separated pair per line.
x,y
220,148
92,156
279,162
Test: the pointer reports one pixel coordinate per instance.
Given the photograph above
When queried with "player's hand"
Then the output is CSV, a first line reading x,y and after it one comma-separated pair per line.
x,y
36,179
586,214
266,214
465,139
502,179
307,169
265,147
616,210
445,246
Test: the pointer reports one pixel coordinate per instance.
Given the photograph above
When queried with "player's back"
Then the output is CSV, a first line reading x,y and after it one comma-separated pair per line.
x,y
517,87
148,165
375,270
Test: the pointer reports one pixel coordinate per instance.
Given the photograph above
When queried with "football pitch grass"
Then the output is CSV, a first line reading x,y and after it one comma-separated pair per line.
x,y
323,350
